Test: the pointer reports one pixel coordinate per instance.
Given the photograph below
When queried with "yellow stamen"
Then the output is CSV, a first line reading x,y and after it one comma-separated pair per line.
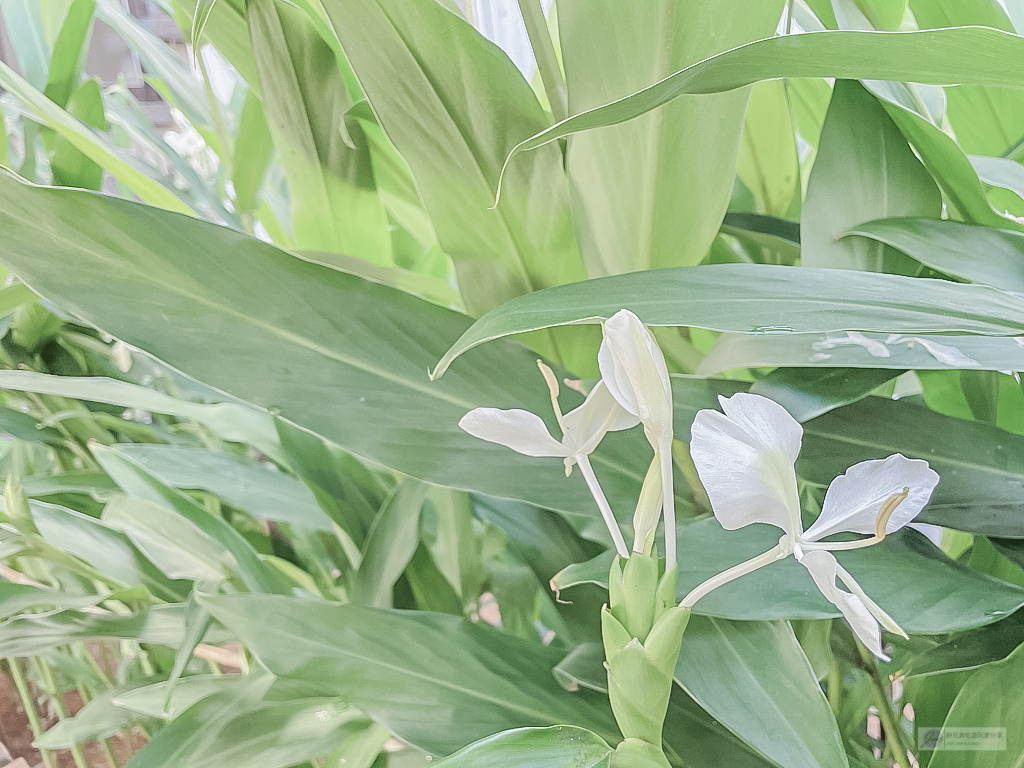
x,y
552,382
887,510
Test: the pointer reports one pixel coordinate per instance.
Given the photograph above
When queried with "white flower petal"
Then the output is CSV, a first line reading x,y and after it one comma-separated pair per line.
x,y
634,370
854,499
746,469
823,567
883,618
517,429
765,421
587,425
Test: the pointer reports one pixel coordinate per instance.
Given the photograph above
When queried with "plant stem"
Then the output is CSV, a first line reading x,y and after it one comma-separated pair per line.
x,y
835,681
894,734
29,705
547,59
57,699
731,574
602,504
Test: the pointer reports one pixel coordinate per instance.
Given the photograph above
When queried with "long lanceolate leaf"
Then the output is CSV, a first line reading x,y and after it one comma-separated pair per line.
x,y
962,55
760,299
331,352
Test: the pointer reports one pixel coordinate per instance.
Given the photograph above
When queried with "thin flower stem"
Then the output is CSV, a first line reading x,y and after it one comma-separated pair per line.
x,y
547,59
766,558
602,504
894,735
669,502
29,705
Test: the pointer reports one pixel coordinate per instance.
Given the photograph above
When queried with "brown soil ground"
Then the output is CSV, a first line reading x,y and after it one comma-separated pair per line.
x,y
16,735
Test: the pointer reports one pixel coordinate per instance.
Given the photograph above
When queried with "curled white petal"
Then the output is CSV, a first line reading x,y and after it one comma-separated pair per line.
x,y
587,425
517,429
745,461
854,499
823,569
634,370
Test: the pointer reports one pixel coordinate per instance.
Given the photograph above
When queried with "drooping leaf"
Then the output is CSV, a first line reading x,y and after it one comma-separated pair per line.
x,y
759,299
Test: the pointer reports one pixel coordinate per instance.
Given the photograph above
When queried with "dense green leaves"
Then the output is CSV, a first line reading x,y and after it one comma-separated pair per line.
x,y
460,682
555,747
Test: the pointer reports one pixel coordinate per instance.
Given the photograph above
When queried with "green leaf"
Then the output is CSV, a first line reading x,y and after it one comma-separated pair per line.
x,y
810,392
69,52
135,480
335,206
863,350
236,729
964,55
460,681
169,541
25,27
864,169
759,299
70,167
35,634
470,110
559,746
768,162
754,678
993,698
981,466
243,483
909,577
104,548
229,419
980,254
970,649
16,598
389,546
253,149
83,139
351,364
1000,172
652,192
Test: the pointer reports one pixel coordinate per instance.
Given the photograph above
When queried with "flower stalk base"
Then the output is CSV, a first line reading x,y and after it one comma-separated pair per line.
x,y
642,628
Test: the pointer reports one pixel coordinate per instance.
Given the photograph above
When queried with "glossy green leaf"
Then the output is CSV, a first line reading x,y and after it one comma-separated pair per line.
x,y
335,206
810,392
351,365
165,701
1000,172
16,598
389,546
864,170
979,254
863,350
759,299
460,681
909,577
25,29
754,678
969,650
70,167
470,110
253,149
651,193
559,746
993,698
249,485
968,55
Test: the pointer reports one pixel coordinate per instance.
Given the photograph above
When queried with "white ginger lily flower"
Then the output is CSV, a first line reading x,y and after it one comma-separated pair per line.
x,y
745,459
634,370
582,430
